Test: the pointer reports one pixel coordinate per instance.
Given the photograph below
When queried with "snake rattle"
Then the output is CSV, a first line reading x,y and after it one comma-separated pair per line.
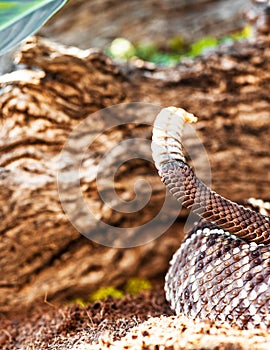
x,y
221,271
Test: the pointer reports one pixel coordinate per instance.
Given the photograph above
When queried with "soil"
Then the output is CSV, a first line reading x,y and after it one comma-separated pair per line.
x,y
52,327
138,322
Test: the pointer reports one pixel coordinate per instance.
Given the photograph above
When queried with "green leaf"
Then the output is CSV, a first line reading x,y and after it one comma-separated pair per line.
x,y
19,19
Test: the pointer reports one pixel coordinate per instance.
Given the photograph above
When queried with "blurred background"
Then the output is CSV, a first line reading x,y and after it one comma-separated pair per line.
x,y
162,32
96,23
167,26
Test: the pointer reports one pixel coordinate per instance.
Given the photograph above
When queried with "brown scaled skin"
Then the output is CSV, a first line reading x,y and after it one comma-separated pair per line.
x,y
222,269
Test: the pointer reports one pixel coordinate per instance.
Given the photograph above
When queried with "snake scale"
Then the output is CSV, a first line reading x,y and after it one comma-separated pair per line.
x,y
221,271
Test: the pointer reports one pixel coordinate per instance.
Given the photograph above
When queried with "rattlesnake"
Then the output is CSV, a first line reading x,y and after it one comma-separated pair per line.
x,y
222,269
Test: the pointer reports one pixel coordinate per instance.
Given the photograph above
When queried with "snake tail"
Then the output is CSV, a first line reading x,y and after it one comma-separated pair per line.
x,y
179,178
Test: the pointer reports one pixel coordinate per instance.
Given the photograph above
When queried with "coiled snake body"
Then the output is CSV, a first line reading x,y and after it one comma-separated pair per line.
x,y
222,269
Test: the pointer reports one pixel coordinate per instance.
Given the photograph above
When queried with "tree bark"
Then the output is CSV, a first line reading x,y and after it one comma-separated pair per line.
x,y
40,251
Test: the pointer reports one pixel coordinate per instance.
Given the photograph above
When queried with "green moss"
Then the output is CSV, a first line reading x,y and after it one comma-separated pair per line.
x,y
175,48
136,285
146,51
200,46
106,292
243,34
177,44
133,286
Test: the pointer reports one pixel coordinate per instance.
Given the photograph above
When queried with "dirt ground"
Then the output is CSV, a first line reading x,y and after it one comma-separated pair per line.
x,y
132,322
50,327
